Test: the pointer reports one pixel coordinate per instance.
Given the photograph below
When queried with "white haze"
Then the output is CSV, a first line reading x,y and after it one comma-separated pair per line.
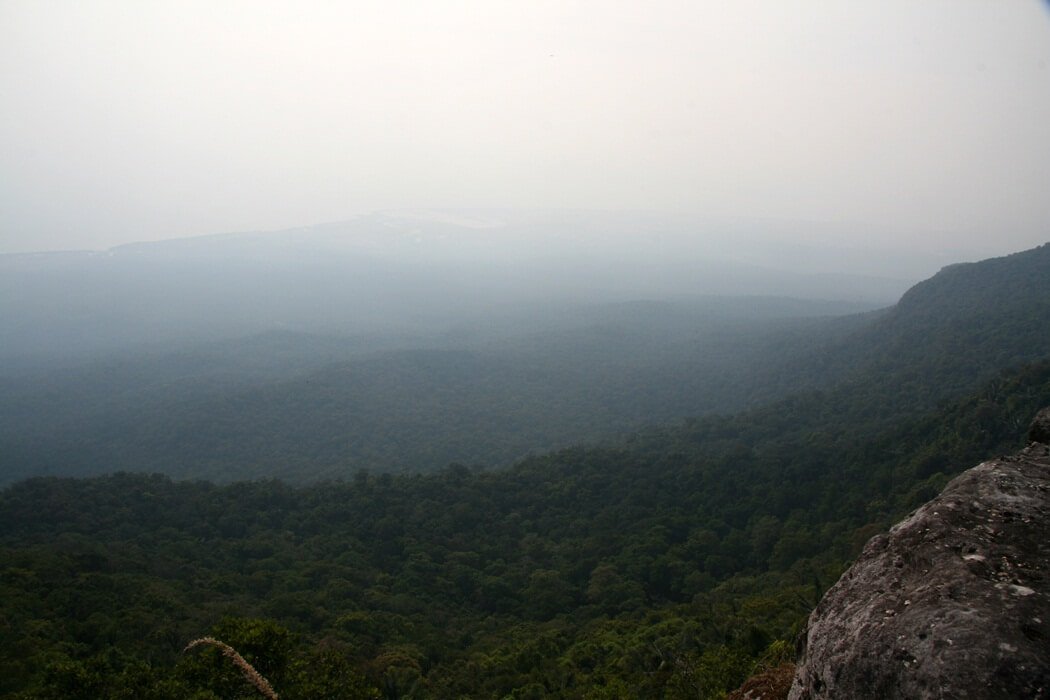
x,y
891,126
419,274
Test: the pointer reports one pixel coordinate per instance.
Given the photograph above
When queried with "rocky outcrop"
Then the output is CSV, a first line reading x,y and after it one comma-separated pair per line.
x,y
954,602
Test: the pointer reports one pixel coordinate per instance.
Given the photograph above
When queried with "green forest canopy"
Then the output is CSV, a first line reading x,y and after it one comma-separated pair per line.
x,y
668,565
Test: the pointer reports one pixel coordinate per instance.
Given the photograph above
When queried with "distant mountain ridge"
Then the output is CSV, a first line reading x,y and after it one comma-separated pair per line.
x,y
314,414
394,273
1019,276
950,331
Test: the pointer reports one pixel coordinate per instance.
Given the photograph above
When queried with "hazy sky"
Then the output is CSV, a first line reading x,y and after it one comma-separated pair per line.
x,y
143,120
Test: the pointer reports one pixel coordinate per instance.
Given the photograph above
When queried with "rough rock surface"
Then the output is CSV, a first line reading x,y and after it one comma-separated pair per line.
x,y
953,603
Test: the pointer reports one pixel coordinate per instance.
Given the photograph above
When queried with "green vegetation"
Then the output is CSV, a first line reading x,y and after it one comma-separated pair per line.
x,y
307,408
302,408
670,563
663,567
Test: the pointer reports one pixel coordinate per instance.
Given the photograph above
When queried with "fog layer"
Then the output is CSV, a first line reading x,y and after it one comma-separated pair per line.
x,y
413,274
143,121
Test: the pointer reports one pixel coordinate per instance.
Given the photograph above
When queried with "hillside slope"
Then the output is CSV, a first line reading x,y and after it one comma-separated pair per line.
x,y
650,569
494,400
303,407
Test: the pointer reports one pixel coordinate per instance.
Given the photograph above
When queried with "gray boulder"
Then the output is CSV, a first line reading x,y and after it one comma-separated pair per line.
x,y
954,602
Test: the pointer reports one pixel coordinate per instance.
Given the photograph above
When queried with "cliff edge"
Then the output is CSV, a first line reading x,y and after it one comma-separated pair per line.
x,y
954,602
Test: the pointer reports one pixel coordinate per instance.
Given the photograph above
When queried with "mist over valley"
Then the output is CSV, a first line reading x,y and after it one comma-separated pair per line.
x,y
398,350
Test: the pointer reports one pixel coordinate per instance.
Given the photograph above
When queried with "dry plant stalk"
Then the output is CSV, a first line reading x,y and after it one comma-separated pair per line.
x,y
253,676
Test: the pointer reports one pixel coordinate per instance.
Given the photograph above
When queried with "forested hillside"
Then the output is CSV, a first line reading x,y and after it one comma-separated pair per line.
x,y
665,567
304,407
512,350
670,562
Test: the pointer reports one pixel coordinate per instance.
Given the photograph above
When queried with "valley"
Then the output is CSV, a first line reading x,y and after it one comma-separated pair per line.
x,y
662,561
